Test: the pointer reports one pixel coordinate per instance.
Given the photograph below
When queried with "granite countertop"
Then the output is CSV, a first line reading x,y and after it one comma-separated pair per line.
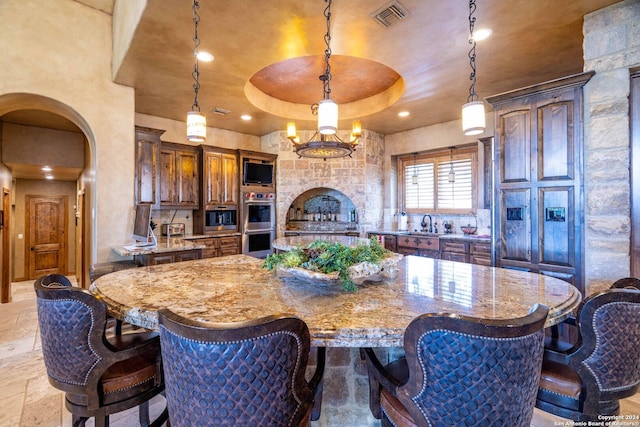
x,y
163,245
323,232
291,242
208,236
472,237
235,288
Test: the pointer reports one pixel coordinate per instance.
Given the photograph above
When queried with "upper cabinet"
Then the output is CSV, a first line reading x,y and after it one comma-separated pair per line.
x,y
166,174
538,169
220,179
178,176
146,172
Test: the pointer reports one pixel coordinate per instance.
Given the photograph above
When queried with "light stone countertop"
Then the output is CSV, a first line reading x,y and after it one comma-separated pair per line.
x,y
163,245
291,242
236,288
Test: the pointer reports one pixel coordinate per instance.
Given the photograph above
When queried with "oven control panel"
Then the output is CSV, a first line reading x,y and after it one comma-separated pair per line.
x,y
260,197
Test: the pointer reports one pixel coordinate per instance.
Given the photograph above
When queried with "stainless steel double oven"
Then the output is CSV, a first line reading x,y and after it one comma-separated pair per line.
x,y
258,223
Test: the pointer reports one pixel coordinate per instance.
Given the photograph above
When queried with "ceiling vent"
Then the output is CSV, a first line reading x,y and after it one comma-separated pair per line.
x,y
220,111
390,14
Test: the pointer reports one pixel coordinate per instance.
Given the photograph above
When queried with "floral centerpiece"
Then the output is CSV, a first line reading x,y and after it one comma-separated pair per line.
x,y
326,260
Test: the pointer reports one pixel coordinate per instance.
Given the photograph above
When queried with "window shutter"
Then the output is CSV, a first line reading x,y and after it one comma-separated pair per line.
x,y
420,195
458,194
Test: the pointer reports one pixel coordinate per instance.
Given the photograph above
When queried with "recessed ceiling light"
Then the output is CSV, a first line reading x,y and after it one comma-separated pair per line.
x,y
46,169
204,56
48,176
403,113
245,117
482,33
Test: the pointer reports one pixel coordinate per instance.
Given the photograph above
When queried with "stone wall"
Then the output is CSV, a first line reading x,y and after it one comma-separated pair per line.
x,y
611,49
359,177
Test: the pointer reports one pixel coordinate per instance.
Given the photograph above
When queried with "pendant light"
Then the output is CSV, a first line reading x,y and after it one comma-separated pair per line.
x,y
414,177
325,143
473,118
196,121
452,174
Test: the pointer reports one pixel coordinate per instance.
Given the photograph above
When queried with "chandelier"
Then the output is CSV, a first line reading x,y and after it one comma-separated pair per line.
x,y
196,121
473,119
325,143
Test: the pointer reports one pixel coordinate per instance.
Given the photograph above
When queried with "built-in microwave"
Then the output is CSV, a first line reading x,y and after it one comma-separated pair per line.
x,y
221,218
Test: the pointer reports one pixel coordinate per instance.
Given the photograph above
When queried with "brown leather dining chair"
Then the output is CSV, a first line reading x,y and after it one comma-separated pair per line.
x,y
586,380
239,374
626,282
100,375
460,371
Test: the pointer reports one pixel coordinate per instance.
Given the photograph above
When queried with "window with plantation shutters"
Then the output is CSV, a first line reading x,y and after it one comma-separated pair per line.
x,y
439,182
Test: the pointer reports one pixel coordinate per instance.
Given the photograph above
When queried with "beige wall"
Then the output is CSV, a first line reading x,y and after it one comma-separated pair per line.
x,y
26,187
35,145
57,57
442,135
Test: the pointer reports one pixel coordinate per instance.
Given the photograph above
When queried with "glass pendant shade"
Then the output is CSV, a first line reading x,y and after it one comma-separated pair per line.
x,y
327,117
473,119
196,126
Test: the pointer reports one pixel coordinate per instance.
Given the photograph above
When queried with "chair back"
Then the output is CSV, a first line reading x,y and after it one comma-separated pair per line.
x,y
473,372
627,282
608,361
230,374
72,323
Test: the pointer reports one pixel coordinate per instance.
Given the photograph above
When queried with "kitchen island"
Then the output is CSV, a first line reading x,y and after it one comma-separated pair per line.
x,y
236,288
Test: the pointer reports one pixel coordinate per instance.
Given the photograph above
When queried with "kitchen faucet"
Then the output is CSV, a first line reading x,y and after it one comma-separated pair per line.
x,y
423,223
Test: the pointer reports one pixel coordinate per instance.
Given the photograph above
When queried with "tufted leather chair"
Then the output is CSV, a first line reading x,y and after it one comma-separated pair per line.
x,y
99,375
460,371
626,282
588,379
239,374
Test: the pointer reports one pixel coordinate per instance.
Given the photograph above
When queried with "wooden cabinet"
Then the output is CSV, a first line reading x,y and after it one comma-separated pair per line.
x,y
178,176
169,257
419,245
147,153
480,253
390,241
219,246
454,250
220,177
538,158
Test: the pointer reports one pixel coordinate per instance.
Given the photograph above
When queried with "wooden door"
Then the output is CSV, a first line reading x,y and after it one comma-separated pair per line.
x,y
538,217
187,179
230,180
212,178
46,227
167,177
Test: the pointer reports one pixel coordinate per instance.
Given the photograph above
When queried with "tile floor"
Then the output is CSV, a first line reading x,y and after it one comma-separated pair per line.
x,y
27,399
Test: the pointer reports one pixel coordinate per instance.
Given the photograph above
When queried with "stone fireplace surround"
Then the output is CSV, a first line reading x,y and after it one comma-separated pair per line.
x,y
359,178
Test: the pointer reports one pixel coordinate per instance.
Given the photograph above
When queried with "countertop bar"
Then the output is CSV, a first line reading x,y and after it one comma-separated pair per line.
x,y
471,237
291,242
164,245
236,288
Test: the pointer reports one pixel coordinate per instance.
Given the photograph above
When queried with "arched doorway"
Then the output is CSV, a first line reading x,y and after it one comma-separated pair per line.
x,y
36,131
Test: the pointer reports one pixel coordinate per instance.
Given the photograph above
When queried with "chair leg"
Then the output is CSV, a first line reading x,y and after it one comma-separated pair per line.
x,y
101,420
143,414
78,421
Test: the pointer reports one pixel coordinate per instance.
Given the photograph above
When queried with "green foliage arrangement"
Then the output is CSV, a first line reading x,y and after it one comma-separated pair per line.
x,y
326,257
